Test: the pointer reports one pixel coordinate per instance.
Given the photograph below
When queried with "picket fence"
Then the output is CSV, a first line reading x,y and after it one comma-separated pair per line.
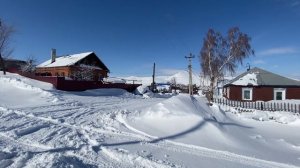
x,y
265,106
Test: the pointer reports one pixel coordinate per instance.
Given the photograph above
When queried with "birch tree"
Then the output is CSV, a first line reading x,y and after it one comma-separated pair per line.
x,y
5,36
30,64
223,54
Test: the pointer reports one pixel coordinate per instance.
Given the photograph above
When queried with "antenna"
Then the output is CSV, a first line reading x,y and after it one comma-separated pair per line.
x,y
248,65
190,72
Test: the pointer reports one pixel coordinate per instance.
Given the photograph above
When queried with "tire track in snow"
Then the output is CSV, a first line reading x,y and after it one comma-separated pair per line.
x,y
206,152
35,149
131,160
85,132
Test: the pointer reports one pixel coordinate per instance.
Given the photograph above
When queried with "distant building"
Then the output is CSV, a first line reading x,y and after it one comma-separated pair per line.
x,y
260,85
71,65
218,92
14,65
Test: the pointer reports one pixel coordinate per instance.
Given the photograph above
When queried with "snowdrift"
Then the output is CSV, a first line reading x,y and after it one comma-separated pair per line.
x,y
24,91
184,118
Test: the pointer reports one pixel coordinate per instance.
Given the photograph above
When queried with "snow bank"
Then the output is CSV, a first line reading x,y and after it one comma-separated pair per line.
x,y
183,117
277,116
181,105
15,88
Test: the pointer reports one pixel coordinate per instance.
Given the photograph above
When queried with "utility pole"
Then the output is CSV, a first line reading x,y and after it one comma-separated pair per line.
x,y
2,64
190,73
153,79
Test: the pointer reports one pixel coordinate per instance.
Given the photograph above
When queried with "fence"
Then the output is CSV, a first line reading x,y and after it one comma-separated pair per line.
x,y
61,83
265,106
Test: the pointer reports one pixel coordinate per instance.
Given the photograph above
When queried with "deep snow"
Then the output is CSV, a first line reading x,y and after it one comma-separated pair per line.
x,y
43,127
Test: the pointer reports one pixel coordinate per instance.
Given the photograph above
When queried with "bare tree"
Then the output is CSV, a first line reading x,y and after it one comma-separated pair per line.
x,y
173,83
30,64
84,73
223,54
5,36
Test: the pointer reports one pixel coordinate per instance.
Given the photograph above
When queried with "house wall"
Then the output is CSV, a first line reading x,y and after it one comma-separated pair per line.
x,y
261,93
67,72
293,93
54,71
235,93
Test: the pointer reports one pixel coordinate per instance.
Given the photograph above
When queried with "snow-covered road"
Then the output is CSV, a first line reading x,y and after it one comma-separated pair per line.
x,y
113,128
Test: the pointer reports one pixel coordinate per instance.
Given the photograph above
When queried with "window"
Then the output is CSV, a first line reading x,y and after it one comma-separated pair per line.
x,y
247,93
279,94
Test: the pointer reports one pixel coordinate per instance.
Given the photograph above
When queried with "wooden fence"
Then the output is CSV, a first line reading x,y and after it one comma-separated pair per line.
x,y
265,106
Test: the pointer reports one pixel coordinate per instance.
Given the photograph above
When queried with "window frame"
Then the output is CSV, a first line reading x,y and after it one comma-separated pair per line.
x,y
251,93
283,93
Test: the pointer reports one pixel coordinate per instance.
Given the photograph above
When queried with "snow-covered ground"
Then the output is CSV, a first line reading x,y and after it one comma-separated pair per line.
x,y
43,127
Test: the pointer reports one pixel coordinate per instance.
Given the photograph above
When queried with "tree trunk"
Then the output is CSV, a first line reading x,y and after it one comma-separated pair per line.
x,y
2,65
210,95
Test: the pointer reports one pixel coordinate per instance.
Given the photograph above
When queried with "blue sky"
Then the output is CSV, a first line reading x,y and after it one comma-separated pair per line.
x,y
130,35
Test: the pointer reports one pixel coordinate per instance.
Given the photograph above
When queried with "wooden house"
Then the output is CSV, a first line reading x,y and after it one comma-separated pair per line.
x,y
76,66
14,65
260,85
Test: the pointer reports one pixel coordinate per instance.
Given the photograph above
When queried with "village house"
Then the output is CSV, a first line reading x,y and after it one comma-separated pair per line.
x,y
14,65
260,85
71,66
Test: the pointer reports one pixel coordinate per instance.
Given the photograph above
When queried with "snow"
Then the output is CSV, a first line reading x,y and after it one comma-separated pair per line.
x,y
64,60
181,77
248,79
43,127
114,80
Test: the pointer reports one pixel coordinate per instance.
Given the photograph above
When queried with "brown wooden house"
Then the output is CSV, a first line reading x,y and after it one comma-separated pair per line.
x,y
260,85
14,65
76,66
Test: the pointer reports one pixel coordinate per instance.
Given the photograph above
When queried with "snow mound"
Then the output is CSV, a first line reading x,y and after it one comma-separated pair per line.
x,y
277,116
18,83
181,117
15,88
177,106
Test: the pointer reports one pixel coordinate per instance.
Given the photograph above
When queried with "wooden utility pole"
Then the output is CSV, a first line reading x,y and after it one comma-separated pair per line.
x,y
190,73
153,79
2,63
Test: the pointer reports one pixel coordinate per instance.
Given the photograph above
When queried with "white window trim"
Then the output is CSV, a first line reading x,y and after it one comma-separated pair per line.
x,y
247,89
283,90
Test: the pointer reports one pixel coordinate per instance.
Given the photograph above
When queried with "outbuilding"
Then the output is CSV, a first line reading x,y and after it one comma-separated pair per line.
x,y
260,85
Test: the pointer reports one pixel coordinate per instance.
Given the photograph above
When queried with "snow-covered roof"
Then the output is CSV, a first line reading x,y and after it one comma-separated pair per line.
x,y
260,77
248,79
66,60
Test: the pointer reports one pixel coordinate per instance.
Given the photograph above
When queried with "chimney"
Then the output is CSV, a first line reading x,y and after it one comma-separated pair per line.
x,y
53,55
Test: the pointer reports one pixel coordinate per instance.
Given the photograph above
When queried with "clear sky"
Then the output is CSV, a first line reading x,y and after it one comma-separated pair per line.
x,y
129,35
